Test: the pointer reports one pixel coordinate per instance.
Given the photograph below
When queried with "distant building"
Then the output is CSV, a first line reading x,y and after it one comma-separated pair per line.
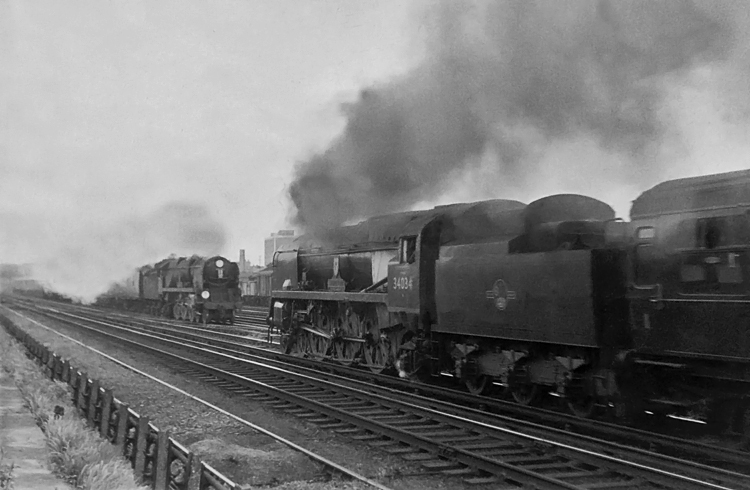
x,y
248,273
264,281
276,241
18,276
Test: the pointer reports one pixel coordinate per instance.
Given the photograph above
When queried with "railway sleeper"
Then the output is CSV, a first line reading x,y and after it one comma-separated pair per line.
x,y
593,477
321,420
383,443
282,405
297,410
374,412
401,449
442,465
333,425
453,440
303,393
483,480
428,425
404,424
571,472
248,393
369,407
391,419
532,460
420,456
327,400
348,430
366,437
518,453
444,434
466,470
256,395
350,407
308,415
633,483
225,384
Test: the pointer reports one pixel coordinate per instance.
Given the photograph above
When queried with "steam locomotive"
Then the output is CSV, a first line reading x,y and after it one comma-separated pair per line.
x,y
557,296
186,288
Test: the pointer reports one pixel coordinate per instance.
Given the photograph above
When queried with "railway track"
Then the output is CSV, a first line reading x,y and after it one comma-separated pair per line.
x,y
481,447
657,439
252,315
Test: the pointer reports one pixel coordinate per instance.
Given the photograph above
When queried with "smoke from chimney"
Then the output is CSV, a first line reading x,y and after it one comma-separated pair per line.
x,y
509,81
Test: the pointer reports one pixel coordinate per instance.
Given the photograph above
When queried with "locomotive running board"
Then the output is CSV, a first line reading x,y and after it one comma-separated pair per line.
x,y
332,296
649,362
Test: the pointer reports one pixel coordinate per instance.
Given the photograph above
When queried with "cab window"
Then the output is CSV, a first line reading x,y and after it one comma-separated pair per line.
x,y
712,232
408,250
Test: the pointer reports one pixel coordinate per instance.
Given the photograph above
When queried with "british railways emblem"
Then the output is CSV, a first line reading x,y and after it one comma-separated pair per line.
x,y
500,295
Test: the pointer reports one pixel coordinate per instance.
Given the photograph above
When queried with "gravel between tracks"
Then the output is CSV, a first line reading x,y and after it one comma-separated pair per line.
x,y
237,451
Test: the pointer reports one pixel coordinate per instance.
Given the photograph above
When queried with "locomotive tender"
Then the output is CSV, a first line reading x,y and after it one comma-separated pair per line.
x,y
189,288
555,296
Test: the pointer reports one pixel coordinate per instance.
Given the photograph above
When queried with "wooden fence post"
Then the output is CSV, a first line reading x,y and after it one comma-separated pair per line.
x,y
93,398
106,414
74,384
51,363
65,376
161,463
140,447
121,437
83,381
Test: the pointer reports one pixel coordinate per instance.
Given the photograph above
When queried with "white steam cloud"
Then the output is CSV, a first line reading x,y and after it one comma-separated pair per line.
x,y
84,261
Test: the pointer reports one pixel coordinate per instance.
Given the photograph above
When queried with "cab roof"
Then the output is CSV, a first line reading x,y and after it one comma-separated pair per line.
x,y
694,194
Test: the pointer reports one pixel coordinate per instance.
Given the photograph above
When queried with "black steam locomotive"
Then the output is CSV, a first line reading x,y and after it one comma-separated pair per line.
x,y
196,289
555,296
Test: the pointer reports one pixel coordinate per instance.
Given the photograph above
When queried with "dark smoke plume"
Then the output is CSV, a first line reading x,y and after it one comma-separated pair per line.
x,y
496,71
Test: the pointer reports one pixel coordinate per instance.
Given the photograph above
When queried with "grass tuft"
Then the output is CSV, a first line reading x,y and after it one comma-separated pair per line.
x,y
42,398
72,446
76,452
112,475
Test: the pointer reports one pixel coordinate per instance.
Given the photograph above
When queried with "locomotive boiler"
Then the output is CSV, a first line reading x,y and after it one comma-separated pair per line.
x,y
555,297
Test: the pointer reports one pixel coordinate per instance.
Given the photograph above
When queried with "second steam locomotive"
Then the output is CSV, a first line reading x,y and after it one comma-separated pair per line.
x,y
555,296
196,289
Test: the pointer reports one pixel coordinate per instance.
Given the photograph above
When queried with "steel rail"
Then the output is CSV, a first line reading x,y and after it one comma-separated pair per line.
x,y
457,454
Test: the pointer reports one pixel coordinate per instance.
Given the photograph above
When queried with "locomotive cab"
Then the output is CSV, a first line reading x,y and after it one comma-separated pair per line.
x,y
691,283
411,275
690,296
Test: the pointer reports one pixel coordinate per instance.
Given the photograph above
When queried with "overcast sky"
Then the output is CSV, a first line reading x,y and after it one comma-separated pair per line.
x,y
129,130
112,109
